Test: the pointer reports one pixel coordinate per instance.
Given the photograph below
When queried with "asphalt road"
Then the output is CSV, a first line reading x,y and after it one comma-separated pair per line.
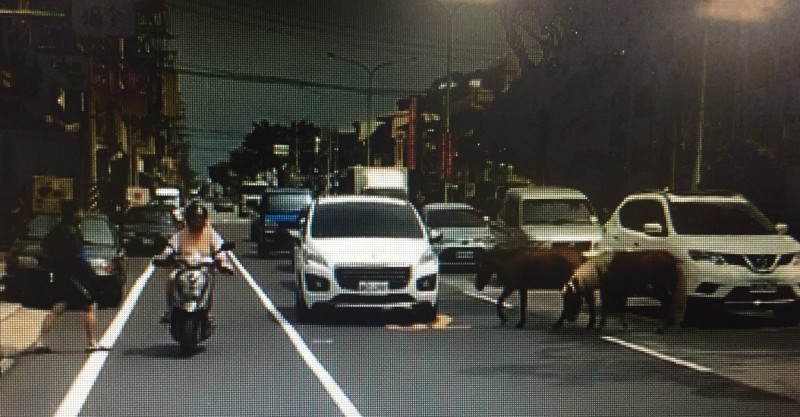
x,y
261,362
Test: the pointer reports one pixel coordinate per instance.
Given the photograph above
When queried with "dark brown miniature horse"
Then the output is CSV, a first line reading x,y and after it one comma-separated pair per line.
x,y
526,268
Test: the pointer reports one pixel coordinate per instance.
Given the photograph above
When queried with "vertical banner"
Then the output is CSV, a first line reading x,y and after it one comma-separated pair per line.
x,y
411,140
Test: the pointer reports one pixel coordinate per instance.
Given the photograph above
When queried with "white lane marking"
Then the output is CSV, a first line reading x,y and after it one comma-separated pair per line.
x,y
483,297
73,402
658,355
337,395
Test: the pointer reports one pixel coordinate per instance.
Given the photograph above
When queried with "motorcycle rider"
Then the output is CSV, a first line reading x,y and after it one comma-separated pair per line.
x,y
198,238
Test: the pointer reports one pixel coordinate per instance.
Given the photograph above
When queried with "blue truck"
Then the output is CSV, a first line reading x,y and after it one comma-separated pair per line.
x,y
279,210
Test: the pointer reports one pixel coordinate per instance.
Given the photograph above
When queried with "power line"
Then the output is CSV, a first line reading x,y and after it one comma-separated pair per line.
x,y
294,82
323,31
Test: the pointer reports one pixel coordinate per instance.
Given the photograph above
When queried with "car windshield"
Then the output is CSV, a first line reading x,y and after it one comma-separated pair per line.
x,y
454,218
719,218
41,225
288,202
365,219
97,232
556,211
150,216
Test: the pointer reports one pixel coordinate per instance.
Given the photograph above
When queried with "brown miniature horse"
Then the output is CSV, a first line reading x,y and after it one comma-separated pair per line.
x,y
526,268
650,273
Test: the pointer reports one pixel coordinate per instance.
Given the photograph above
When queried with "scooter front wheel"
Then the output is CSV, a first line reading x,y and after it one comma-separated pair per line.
x,y
189,336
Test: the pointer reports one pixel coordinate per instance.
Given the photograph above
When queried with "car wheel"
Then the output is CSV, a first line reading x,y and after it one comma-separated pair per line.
x,y
787,316
263,250
701,313
426,313
304,314
112,296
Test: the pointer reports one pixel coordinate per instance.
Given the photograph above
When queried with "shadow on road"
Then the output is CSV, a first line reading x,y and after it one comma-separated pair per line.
x,y
171,350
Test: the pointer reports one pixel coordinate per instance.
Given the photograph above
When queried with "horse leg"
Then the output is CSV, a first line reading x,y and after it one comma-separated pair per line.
x,y
666,313
603,308
523,307
500,301
589,297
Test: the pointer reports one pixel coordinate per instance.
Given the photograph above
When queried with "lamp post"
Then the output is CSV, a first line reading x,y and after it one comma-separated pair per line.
x,y
370,75
446,145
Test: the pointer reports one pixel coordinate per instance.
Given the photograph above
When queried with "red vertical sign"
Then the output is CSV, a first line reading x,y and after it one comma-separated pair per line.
x,y
411,140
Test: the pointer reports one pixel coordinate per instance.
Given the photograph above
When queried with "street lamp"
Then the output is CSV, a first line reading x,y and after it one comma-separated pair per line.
x,y
370,75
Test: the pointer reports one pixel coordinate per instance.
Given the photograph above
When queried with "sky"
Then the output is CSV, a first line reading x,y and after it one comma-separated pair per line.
x,y
289,40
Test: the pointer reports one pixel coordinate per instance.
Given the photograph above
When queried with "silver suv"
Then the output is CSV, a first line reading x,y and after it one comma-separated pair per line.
x,y
465,233
730,256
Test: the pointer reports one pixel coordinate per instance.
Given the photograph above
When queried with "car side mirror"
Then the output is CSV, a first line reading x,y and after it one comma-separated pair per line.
x,y
436,235
654,229
781,228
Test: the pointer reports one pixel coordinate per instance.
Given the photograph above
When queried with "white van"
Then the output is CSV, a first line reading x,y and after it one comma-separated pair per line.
x,y
552,216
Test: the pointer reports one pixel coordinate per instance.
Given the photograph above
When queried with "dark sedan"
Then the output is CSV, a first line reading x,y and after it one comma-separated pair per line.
x,y
29,270
147,229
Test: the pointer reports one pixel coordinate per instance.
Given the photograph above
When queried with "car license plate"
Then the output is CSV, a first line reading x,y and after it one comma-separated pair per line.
x,y
464,254
763,287
373,286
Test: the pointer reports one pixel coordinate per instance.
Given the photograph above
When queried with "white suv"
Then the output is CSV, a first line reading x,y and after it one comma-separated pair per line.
x,y
365,251
730,256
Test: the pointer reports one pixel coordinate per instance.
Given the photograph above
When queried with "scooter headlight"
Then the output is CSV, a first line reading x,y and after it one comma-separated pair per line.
x,y
191,283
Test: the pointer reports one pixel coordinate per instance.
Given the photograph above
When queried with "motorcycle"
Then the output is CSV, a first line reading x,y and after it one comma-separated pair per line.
x,y
191,296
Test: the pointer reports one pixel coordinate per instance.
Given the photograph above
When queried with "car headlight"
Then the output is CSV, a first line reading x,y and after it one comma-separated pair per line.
x,y
102,266
313,257
427,257
704,256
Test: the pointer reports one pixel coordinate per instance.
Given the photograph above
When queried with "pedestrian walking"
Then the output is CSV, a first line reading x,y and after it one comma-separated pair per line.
x,y
64,248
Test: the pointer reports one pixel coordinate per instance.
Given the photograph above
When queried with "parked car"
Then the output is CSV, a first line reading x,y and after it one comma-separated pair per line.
x,y
25,276
365,251
551,216
466,234
729,254
147,229
29,270
279,211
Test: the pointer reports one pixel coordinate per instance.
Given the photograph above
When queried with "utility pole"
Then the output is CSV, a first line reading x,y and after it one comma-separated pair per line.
x,y
370,76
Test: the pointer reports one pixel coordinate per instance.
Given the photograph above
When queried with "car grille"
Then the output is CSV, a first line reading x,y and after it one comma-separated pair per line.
x,y
758,263
348,278
581,246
